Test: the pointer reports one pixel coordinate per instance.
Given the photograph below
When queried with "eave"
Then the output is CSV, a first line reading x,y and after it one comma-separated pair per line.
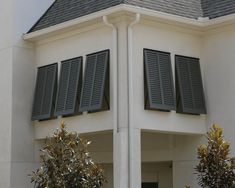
x,y
201,24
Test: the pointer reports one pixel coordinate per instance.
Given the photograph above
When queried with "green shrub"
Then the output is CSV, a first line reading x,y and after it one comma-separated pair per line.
x,y
215,168
66,163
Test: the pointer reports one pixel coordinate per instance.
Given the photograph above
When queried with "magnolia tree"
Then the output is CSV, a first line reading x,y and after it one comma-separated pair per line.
x,y
215,168
66,163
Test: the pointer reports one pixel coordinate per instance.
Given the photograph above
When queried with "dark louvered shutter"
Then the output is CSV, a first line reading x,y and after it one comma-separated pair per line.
x,y
69,87
190,94
45,90
95,91
159,89
88,83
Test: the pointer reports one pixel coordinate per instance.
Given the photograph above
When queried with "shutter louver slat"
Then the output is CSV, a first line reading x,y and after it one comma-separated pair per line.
x,y
70,82
88,83
154,78
38,98
159,81
63,83
73,86
196,82
45,92
48,94
94,86
190,87
167,81
100,76
184,78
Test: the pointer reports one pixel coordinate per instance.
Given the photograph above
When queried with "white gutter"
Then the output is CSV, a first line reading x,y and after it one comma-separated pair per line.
x,y
161,15
130,95
72,23
114,83
200,24
220,21
114,74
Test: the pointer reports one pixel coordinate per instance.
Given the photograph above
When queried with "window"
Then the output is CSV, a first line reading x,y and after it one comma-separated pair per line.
x,y
44,97
69,90
149,185
159,89
95,91
189,87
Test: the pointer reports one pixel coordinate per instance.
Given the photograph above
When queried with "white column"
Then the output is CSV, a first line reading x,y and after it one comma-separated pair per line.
x,y
120,149
134,133
127,139
127,174
135,155
120,162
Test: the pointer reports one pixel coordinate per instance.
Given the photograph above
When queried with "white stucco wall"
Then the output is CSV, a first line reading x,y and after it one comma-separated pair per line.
x,y
177,41
145,35
6,21
185,160
23,72
166,158
181,150
22,133
16,56
158,172
19,60
5,95
108,172
219,55
6,116
79,44
165,148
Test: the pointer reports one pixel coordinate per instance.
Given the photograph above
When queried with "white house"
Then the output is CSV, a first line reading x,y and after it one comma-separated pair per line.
x,y
143,80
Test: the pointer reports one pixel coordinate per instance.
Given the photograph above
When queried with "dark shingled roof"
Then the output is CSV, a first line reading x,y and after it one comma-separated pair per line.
x,y
65,10
185,8
217,8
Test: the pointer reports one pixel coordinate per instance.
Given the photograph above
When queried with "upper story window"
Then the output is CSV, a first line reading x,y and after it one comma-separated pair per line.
x,y
95,91
45,91
159,88
69,90
73,95
189,87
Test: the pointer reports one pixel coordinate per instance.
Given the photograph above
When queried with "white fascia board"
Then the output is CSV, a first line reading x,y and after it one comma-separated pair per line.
x,y
162,15
202,24
71,23
219,22
199,24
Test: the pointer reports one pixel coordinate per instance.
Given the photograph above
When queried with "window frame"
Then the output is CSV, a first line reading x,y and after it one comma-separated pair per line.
x,y
180,101
149,105
45,116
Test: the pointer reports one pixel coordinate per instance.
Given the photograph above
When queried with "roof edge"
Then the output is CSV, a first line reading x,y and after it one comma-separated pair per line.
x,y
200,24
31,29
71,23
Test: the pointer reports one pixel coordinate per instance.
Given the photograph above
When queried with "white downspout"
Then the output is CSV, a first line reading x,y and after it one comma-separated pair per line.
x,y
130,93
114,73
115,84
